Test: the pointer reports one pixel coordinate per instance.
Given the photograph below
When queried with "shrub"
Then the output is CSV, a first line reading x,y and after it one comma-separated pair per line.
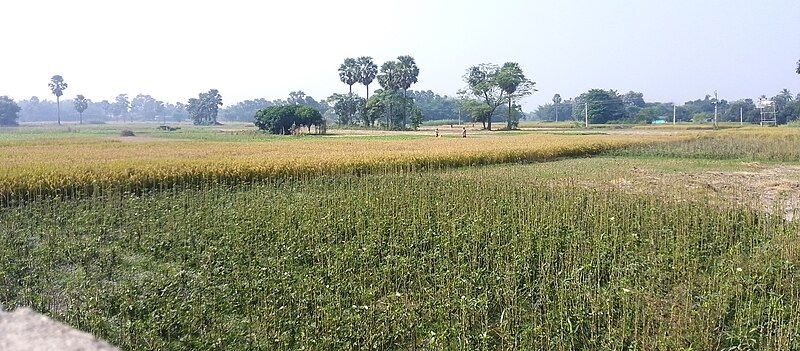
x,y
127,133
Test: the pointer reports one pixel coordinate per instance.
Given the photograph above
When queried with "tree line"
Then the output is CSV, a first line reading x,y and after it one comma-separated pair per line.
x,y
609,106
492,93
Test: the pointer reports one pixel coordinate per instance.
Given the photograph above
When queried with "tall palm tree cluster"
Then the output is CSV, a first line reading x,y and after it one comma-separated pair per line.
x,y
394,76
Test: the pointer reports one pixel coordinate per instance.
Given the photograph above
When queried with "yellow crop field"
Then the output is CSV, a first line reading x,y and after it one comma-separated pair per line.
x,y
51,165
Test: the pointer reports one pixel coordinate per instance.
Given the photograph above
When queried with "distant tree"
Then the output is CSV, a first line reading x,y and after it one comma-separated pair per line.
x,y
416,117
245,110
785,107
8,111
281,119
786,95
744,109
477,110
346,106
374,109
798,67
545,112
390,79
300,98
367,71
389,105
297,98
106,107
120,106
308,117
57,86
483,83
434,106
147,107
81,104
556,102
633,98
513,82
514,115
349,72
409,72
204,109
177,112
603,106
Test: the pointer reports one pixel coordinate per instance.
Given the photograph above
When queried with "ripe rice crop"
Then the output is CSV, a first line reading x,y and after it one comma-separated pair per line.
x,y
403,261
35,168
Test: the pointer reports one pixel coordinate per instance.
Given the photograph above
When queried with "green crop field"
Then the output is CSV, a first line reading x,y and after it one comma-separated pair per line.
x,y
658,241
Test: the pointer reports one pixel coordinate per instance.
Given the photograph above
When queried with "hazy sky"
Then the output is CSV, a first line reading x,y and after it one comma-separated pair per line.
x,y
669,50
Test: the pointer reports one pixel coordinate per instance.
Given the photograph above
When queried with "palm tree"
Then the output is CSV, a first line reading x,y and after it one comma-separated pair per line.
x,y
348,72
57,86
81,104
389,79
556,101
408,75
512,81
786,94
367,70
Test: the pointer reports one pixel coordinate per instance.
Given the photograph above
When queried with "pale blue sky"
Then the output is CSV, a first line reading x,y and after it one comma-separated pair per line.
x,y
669,50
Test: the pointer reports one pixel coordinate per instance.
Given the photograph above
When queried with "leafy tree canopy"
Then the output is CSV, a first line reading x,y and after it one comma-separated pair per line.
x,y
8,111
203,110
283,119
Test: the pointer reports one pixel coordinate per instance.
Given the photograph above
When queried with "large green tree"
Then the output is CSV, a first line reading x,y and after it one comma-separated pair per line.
x,y
81,104
349,72
434,106
57,86
346,107
482,82
147,107
513,82
8,111
204,109
367,71
120,106
282,119
389,104
603,106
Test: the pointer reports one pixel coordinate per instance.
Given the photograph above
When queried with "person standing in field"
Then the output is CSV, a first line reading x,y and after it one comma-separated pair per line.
x,y
437,132
464,132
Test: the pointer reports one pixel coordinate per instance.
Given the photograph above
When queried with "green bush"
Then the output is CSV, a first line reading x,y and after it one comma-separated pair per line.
x,y
284,119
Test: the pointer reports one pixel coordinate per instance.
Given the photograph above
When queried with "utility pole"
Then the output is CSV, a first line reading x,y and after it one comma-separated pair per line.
x,y
586,114
674,112
741,115
716,102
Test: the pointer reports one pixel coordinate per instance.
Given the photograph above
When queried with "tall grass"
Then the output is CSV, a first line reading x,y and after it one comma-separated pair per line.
x,y
756,144
402,261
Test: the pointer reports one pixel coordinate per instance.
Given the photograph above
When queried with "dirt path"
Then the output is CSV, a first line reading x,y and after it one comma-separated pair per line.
x,y
25,330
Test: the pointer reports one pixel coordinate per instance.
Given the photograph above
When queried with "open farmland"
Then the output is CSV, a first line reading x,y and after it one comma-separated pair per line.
x,y
385,242
94,161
